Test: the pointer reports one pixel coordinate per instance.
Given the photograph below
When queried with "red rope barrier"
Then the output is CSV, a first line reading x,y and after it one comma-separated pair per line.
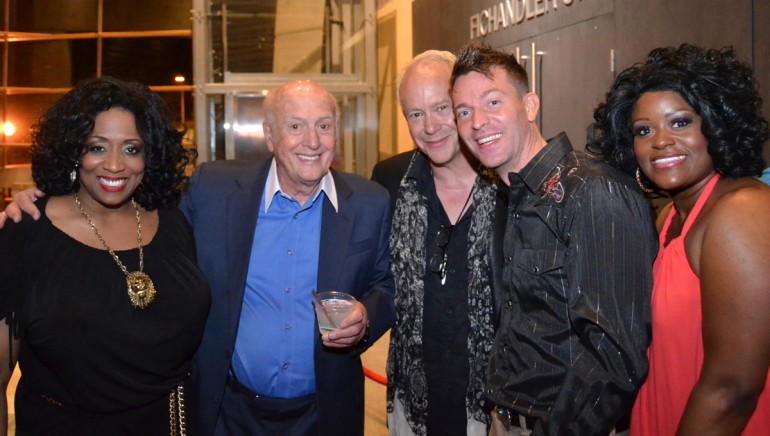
x,y
381,379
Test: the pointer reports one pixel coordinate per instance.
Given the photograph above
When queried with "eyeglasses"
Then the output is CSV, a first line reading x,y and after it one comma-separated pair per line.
x,y
438,260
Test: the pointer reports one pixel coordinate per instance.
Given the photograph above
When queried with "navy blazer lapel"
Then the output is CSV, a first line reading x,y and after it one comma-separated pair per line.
x,y
336,228
240,221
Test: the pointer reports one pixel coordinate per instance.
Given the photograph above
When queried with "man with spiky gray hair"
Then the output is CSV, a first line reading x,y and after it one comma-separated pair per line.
x,y
441,243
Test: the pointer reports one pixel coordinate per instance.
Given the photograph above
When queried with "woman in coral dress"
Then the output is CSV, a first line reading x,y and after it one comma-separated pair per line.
x,y
687,122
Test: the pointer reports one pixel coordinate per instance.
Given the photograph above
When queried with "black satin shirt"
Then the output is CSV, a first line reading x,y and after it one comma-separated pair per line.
x,y
579,245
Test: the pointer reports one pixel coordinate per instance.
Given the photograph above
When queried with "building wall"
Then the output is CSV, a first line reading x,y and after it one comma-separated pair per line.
x,y
386,88
394,52
576,42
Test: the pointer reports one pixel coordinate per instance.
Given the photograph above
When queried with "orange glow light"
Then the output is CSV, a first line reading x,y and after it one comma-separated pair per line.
x,y
8,128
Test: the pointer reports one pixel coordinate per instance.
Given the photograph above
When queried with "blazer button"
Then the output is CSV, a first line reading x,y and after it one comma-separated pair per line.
x,y
536,269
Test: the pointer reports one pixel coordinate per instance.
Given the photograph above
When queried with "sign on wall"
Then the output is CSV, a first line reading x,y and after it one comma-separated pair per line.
x,y
513,13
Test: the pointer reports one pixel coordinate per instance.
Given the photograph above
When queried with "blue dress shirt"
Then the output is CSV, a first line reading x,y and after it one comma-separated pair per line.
x,y
277,329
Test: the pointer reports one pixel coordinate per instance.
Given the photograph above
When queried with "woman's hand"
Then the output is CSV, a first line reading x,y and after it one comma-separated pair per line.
x,y
23,201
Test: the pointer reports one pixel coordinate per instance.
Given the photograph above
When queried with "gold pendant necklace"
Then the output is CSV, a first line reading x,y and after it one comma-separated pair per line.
x,y
141,291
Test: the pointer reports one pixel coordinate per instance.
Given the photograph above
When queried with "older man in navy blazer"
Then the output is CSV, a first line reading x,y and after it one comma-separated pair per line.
x,y
267,233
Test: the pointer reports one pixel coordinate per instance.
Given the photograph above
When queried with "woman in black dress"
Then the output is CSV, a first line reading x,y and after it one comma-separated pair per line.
x,y
103,303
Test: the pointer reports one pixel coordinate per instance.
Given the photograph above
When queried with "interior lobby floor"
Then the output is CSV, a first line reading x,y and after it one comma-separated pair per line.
x,y
375,358
375,419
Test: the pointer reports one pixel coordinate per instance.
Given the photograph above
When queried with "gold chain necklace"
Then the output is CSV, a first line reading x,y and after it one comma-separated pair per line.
x,y
141,291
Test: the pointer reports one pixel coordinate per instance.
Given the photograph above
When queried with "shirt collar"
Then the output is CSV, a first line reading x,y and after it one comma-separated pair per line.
x,y
535,173
419,168
273,187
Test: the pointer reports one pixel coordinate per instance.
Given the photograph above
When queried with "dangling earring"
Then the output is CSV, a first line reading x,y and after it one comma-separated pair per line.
x,y
74,174
644,188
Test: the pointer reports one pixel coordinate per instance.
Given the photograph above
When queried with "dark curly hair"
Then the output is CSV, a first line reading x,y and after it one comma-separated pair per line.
x,y
481,58
721,89
59,137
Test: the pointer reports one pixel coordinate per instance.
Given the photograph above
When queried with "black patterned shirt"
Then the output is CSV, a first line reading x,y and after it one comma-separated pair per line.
x,y
579,245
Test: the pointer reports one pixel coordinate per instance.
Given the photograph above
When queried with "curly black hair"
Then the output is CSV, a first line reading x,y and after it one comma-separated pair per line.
x,y
481,58
720,89
59,137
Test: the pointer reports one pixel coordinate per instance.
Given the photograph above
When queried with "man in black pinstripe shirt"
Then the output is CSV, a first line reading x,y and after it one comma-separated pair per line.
x,y
574,317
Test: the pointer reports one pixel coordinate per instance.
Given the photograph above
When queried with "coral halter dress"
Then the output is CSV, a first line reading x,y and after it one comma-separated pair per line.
x,y
676,350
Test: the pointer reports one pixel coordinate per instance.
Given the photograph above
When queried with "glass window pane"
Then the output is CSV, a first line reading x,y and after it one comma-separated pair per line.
x,y
14,176
53,16
52,64
152,61
286,36
216,128
181,105
216,58
17,158
146,15
23,110
350,130
300,45
248,137
216,53
250,28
